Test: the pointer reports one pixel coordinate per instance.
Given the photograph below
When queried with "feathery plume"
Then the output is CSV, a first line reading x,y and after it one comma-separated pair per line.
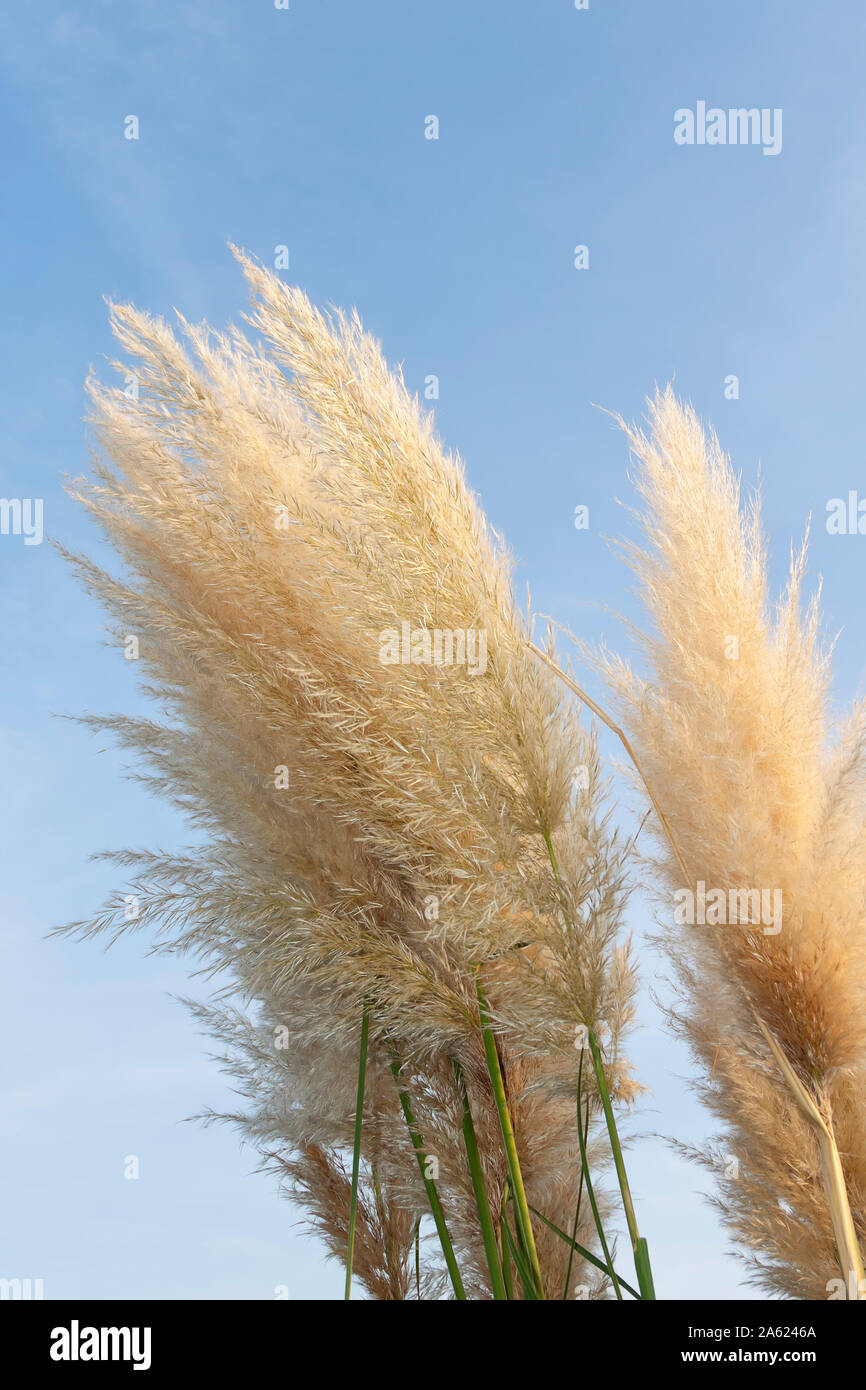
x,y
763,862
393,799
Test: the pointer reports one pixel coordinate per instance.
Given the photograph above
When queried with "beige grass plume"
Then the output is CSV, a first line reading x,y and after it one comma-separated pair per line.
x,y
730,730
373,824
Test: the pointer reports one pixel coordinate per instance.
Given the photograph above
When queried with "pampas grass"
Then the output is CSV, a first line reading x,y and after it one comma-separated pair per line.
x,y
403,877
410,849
730,731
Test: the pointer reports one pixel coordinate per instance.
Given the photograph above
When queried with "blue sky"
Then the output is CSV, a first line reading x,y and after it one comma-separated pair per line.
x,y
305,128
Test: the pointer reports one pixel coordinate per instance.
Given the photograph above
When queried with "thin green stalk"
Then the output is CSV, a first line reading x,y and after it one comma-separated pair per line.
x,y
429,1185
518,1255
506,1258
590,1192
581,1250
638,1244
523,1220
356,1152
576,1222
418,1258
485,1216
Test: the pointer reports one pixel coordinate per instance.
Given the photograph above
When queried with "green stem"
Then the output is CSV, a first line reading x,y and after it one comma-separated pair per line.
x,y
581,1250
638,1244
356,1152
518,1255
590,1192
576,1221
521,1207
506,1258
485,1216
429,1185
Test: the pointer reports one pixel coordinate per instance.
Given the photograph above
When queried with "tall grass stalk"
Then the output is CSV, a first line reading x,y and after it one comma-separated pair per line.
x,y
504,1246
576,1222
430,1187
638,1243
485,1215
578,1249
590,1192
523,1220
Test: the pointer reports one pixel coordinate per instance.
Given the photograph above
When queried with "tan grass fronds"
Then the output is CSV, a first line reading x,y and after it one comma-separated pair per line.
x,y
731,730
370,830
